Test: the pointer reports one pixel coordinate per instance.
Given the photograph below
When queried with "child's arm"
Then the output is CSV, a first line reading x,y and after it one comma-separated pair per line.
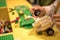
x,y
51,8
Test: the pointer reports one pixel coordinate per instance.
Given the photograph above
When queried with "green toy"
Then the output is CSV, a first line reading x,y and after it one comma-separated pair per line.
x,y
7,37
23,12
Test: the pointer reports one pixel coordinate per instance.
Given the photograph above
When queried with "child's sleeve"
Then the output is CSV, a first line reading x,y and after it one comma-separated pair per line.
x,y
51,8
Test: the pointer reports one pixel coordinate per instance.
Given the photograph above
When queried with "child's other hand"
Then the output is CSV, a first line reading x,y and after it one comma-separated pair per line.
x,y
56,17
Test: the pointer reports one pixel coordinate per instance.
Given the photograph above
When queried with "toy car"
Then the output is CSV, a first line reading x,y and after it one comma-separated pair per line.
x,y
45,23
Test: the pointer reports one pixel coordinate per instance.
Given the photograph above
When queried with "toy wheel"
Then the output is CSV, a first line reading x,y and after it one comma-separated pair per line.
x,y
50,31
39,33
37,12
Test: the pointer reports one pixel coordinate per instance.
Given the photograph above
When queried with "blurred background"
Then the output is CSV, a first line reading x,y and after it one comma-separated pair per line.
x,y
41,2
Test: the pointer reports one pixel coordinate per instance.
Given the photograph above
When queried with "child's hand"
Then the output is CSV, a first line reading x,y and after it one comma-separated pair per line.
x,y
56,17
41,9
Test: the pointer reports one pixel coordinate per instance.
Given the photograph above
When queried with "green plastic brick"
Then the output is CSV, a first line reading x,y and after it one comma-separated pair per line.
x,y
2,3
7,37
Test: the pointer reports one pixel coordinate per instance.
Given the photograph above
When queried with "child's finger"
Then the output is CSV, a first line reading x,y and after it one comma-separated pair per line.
x,y
58,24
56,16
57,20
32,10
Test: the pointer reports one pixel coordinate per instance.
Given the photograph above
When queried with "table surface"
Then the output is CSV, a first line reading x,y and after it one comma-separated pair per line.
x,y
27,34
